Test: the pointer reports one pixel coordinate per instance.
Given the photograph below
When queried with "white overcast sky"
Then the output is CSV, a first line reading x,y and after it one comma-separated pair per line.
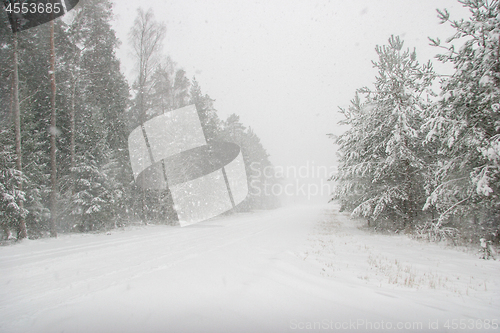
x,y
285,66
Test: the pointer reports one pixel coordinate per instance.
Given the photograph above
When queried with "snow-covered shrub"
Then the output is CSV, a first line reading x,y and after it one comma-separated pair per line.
x,y
435,232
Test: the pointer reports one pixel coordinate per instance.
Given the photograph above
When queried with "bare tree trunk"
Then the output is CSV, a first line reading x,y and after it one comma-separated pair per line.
x,y
22,233
53,174
11,106
146,37
72,124
72,137
142,119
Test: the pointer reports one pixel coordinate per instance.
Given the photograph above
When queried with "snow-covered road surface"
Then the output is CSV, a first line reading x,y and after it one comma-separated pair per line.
x,y
294,269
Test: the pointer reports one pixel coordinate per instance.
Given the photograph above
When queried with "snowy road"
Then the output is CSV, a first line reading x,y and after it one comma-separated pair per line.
x,y
296,269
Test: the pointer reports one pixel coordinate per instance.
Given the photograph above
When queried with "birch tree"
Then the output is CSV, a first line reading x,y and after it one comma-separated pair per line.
x,y
146,37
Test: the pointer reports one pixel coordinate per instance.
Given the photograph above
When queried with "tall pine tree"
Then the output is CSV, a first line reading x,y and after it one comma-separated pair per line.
x,y
465,124
383,165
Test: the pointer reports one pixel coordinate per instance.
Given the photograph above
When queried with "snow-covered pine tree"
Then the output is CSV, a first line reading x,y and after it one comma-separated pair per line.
x,y
265,179
96,194
162,88
97,95
167,89
16,113
382,163
10,191
256,163
95,79
181,89
209,119
466,121
34,107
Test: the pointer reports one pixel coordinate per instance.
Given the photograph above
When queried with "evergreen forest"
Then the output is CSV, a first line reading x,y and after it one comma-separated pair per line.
x,y
65,116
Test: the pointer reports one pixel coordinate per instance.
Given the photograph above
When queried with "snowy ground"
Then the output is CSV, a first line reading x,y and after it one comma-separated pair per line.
x,y
295,269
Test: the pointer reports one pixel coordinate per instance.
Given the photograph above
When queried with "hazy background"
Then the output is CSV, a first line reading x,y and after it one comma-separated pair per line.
x,y
285,66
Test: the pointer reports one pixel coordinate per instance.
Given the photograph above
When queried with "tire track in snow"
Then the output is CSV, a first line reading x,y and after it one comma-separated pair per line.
x,y
168,231
177,252
34,291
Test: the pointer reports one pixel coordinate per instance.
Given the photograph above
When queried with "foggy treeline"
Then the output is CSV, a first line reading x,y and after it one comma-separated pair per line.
x,y
96,110
423,150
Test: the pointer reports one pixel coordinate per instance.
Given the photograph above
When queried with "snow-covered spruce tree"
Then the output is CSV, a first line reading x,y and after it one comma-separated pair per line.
x,y
96,194
383,165
162,88
35,95
466,122
10,193
265,179
257,163
209,119
94,97
34,109
9,43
